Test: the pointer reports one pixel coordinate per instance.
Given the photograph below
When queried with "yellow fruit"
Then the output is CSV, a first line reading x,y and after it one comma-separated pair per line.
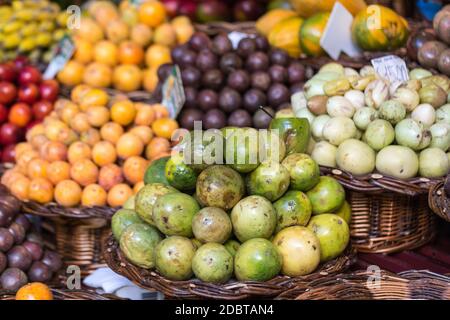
x,y
104,153
184,32
106,52
129,145
68,193
93,97
152,13
127,77
58,171
89,30
123,112
84,51
72,74
98,75
145,133
84,172
111,132
97,116
141,34
93,195
268,21
20,188
156,55
285,36
165,35
117,31
78,151
307,8
80,123
40,190
150,79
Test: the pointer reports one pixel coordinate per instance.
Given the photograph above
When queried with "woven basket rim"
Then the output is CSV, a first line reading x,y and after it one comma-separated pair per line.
x,y
439,202
233,290
373,183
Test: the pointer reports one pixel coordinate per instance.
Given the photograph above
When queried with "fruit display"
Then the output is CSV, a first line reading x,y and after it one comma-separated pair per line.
x,y
31,28
123,46
227,86
429,46
361,122
308,8
34,291
23,257
25,100
91,151
250,221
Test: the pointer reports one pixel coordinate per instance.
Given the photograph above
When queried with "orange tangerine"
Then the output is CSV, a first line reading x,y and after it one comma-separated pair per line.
x,y
34,291
123,112
93,195
40,190
68,193
84,172
98,75
138,186
21,147
69,112
164,127
79,91
104,153
119,194
72,74
130,53
145,114
94,97
20,187
53,151
150,79
127,77
84,52
109,176
117,31
25,158
152,13
111,132
37,168
58,171
78,151
156,146
97,116
141,34
160,111
91,137
129,145
80,122
11,175
143,132
156,55
134,169
106,52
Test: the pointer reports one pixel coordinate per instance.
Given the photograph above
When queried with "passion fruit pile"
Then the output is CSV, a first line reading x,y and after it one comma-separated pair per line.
x,y
91,150
361,122
227,86
251,221
23,258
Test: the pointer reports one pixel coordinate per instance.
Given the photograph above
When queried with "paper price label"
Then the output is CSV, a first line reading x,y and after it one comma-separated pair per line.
x,y
61,56
173,93
392,68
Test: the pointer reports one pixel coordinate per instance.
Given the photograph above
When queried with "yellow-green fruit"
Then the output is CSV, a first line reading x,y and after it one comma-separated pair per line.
x,y
29,29
11,41
345,212
27,44
25,14
47,26
44,39
59,34
13,26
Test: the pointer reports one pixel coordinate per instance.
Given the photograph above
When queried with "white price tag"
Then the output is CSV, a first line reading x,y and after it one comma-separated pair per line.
x,y
236,36
61,56
392,68
173,93
337,36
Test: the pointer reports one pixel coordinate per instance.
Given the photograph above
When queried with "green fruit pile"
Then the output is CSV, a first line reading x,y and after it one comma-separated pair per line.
x,y
252,221
31,28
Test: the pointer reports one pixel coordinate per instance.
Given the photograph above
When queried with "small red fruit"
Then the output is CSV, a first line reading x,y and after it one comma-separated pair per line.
x,y
10,134
49,90
29,93
8,92
9,154
7,72
29,74
3,113
20,114
41,109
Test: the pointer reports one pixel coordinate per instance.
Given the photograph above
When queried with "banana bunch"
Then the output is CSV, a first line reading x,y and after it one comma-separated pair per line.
x,y
31,28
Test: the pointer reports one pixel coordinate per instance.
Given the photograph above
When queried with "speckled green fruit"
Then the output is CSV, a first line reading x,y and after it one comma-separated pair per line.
x,y
303,170
253,217
270,180
345,212
180,175
333,234
146,198
173,214
121,220
173,258
258,260
241,149
130,203
232,246
327,196
138,243
220,186
211,224
293,209
155,173
213,263
300,249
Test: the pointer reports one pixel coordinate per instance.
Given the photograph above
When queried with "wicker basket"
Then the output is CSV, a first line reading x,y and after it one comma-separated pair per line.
x,y
363,285
65,294
79,233
439,202
388,215
196,289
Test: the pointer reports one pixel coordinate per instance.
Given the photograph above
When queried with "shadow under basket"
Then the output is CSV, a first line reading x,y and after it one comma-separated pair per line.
x,y
388,215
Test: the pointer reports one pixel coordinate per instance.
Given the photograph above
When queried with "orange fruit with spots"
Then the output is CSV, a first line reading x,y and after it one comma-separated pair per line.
x,y
54,151
68,193
127,77
111,132
106,52
84,172
130,53
37,168
98,75
143,132
40,190
78,92
20,187
129,145
134,169
34,291
145,115
97,116
58,171
164,127
123,112
109,176
157,146
104,153
80,122
119,194
160,111
93,195
93,97
91,137
78,151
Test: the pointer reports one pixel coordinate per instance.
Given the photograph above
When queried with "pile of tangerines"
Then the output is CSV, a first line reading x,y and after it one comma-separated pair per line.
x,y
91,150
123,47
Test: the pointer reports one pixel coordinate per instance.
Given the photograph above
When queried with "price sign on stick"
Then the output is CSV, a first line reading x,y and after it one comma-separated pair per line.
x,y
173,93
392,68
337,36
61,56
